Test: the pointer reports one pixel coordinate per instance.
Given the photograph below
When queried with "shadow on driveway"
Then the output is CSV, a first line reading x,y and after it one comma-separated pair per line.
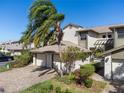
x,y
119,87
44,70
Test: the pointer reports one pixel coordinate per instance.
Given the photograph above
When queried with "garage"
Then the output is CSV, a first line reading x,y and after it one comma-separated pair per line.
x,y
118,69
114,64
43,59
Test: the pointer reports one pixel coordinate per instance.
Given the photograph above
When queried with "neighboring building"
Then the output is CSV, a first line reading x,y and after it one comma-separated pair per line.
x,y
14,47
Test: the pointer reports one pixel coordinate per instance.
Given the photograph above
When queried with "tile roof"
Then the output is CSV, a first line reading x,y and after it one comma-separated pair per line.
x,y
102,29
114,50
55,48
74,25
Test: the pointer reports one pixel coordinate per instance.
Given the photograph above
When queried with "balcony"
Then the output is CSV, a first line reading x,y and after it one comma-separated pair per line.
x,y
105,44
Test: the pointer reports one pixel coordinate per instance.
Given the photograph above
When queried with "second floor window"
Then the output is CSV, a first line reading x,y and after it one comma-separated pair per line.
x,y
104,36
82,36
120,34
109,36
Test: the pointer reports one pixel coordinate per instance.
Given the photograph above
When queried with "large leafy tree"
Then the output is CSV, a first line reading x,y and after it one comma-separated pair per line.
x,y
44,22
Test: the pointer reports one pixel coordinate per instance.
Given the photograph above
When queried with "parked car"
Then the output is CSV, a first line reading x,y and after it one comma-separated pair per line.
x,y
4,57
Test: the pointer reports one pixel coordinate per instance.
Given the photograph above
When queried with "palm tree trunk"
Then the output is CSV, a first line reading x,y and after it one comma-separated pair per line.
x,y
59,38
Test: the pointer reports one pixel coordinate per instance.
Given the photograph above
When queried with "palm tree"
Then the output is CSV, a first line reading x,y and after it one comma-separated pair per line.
x,y
44,22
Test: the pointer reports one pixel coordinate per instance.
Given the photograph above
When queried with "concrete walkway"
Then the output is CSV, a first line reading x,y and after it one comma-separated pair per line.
x,y
18,79
111,87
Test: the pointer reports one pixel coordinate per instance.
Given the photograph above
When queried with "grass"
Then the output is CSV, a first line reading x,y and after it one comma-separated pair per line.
x,y
3,69
44,87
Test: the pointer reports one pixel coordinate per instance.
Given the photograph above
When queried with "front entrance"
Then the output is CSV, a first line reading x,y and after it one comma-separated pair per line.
x,y
49,60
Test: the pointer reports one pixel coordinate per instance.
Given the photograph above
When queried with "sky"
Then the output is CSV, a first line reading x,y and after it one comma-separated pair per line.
x,y
87,13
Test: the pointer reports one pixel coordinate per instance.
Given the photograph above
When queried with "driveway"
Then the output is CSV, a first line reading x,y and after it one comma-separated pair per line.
x,y
18,79
112,86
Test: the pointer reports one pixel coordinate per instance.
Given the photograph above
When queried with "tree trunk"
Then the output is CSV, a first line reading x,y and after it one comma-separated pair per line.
x,y
59,38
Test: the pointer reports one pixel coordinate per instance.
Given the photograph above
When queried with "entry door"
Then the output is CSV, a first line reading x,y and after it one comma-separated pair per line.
x,y
49,60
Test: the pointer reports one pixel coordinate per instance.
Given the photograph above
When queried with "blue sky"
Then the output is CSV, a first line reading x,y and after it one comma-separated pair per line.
x,y
88,13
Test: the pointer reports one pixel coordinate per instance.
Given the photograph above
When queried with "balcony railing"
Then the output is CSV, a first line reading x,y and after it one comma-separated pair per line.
x,y
104,44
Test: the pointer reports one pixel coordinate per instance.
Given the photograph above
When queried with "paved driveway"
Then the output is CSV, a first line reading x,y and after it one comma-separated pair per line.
x,y
20,78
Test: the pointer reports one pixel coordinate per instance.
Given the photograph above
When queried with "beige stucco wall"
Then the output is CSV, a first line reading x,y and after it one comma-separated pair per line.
x,y
91,39
70,34
118,41
106,34
17,53
76,65
83,43
118,55
40,60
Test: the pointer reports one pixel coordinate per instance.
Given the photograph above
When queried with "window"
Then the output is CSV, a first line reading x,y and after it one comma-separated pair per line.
x,y
109,36
82,36
120,34
104,36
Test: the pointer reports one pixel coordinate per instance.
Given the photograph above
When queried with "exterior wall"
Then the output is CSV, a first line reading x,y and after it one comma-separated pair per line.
x,y
82,42
40,60
70,34
91,39
15,53
118,41
61,66
34,59
108,66
78,63
118,55
57,64
106,34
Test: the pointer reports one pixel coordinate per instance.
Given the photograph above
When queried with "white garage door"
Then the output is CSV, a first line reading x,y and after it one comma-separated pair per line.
x,y
49,60
41,59
118,69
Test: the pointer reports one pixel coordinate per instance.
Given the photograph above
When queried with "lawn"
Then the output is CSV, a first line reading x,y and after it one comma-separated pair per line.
x,y
54,86
3,69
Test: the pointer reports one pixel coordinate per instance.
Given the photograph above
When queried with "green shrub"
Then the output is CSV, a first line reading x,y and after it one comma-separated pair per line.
x,y
98,66
71,76
51,87
24,59
58,90
67,91
87,70
9,64
83,73
88,83
3,69
8,53
65,79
